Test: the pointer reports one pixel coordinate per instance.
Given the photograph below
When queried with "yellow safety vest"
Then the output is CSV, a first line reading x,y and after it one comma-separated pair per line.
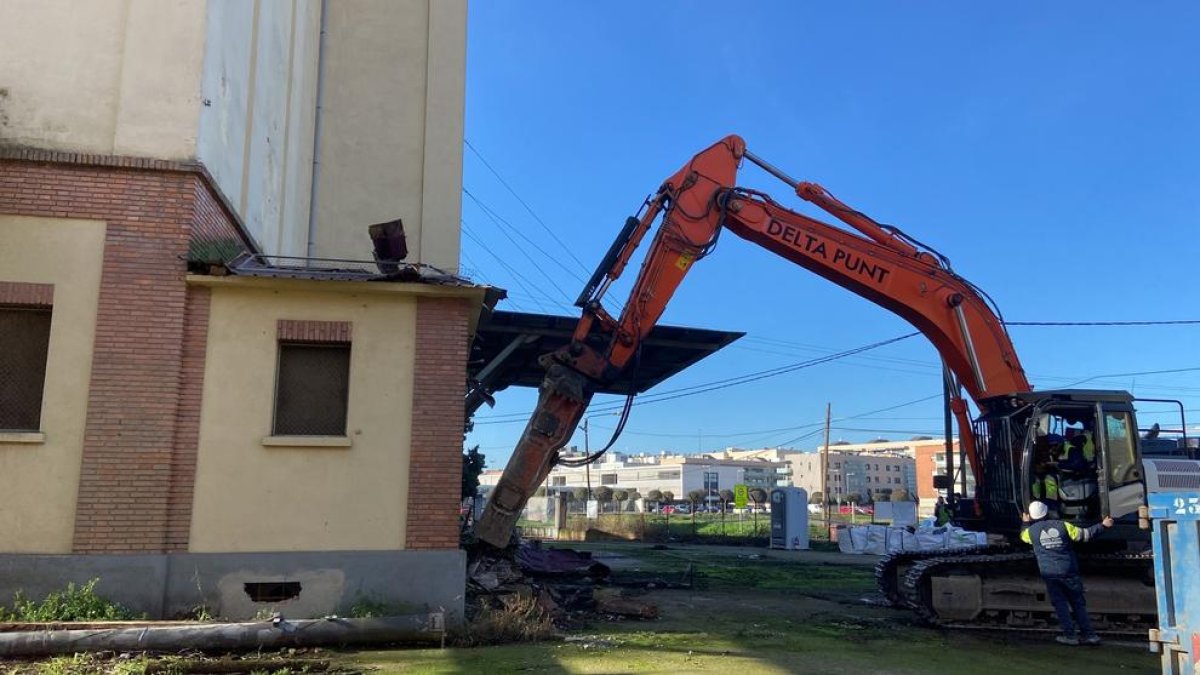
x,y
1045,487
1089,448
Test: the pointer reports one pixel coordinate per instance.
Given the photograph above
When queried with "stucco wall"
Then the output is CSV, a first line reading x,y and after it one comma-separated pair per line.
x,y
250,497
104,76
38,482
256,126
392,126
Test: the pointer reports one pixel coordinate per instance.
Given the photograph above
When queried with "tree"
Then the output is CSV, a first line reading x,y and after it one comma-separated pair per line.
x,y
816,497
669,498
854,498
696,497
540,492
580,494
472,465
759,497
604,494
900,495
726,497
620,497
654,497
633,496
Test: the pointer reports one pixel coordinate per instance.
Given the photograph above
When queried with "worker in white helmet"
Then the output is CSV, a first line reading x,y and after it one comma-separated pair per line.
x,y
1051,540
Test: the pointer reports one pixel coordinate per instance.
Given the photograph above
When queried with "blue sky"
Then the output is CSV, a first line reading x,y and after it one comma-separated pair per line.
x,y
1051,151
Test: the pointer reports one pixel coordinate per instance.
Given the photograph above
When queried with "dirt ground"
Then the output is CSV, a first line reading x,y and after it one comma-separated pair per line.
x,y
766,612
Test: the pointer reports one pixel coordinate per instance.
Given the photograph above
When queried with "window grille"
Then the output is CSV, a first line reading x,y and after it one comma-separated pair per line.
x,y
24,345
312,389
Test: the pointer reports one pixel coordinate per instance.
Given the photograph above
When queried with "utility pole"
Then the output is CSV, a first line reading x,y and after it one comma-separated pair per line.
x,y
587,451
825,468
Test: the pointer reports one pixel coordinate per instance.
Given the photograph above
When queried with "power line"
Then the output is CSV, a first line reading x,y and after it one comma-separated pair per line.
x,y
1145,372
524,283
526,205
1183,322
724,383
501,223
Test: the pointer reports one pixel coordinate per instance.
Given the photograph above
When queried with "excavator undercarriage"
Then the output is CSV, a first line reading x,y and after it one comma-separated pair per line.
x,y
999,587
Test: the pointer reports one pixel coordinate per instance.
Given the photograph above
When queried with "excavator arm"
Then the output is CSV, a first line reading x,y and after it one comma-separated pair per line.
x,y
875,261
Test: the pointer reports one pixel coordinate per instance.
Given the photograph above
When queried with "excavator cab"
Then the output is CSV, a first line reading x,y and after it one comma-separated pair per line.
x,y
1078,450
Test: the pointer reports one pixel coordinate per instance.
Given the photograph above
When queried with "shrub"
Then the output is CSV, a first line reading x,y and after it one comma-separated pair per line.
x,y
71,604
516,619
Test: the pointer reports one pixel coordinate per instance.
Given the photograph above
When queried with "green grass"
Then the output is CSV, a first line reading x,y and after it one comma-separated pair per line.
x,y
740,569
766,644
770,615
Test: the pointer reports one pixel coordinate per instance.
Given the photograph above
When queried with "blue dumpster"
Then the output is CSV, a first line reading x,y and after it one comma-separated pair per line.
x,y
1175,517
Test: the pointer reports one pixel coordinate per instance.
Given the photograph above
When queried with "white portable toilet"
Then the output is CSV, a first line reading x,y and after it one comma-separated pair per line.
x,y
789,518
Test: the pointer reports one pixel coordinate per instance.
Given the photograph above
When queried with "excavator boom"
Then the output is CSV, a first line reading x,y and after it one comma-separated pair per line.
x,y
877,262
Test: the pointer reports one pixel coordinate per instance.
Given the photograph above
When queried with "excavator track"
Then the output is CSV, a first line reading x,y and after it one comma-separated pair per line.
x,y
890,571
1005,591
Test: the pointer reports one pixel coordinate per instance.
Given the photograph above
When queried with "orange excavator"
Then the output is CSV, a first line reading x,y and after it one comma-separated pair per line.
x,y
1018,436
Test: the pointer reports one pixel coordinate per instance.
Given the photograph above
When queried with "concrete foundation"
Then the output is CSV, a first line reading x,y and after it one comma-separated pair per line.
x,y
242,585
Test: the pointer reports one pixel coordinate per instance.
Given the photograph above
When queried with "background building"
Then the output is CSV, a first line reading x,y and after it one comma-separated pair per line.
x,y
185,412
678,474
931,461
875,468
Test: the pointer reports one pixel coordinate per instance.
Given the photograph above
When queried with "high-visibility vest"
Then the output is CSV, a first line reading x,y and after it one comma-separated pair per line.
x,y
1045,487
1089,448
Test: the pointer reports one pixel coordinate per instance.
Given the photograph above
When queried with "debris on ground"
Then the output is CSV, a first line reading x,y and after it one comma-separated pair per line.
x,y
614,603
560,562
564,585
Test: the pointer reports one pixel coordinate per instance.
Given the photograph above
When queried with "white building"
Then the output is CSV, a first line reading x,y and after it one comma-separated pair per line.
x,y
677,474
876,468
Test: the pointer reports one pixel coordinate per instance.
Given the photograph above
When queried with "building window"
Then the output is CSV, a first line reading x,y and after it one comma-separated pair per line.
x,y
558,481
608,479
24,345
668,475
312,389
711,482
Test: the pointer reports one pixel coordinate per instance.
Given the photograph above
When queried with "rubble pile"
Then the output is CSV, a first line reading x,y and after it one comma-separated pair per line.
x,y
569,586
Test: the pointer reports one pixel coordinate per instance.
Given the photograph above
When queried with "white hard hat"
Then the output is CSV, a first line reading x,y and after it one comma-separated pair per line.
x,y
1038,510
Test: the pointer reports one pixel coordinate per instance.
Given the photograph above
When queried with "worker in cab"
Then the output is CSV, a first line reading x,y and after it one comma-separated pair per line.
x,y
941,512
1078,452
1052,539
1045,487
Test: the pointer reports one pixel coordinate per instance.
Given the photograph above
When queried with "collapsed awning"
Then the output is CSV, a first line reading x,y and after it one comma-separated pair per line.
x,y
507,345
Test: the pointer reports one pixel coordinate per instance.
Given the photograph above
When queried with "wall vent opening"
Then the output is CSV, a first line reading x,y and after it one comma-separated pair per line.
x,y
272,591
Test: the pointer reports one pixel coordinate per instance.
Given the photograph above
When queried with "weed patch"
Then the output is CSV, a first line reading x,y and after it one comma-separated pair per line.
x,y
71,604
511,619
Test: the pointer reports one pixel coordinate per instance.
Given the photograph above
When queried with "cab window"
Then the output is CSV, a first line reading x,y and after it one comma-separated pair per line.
x,y
1121,461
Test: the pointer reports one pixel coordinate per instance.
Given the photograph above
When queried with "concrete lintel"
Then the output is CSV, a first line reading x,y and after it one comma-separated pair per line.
x,y
475,294
22,437
307,441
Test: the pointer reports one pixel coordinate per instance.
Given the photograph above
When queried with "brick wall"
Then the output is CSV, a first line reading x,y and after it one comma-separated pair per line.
x,y
185,445
435,470
134,454
337,332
